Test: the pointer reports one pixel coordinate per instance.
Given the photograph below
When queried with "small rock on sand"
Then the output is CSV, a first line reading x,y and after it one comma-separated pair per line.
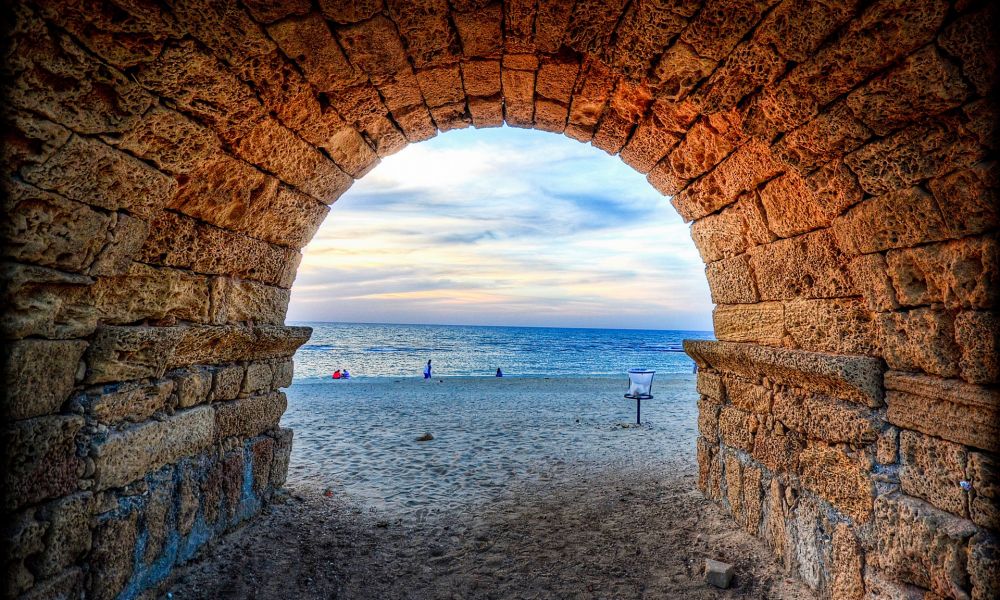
x,y
718,573
425,438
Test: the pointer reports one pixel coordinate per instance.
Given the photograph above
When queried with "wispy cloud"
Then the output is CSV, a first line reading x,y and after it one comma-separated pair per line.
x,y
503,226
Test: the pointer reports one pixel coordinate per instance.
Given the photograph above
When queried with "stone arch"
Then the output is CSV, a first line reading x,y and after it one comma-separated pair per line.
x,y
165,164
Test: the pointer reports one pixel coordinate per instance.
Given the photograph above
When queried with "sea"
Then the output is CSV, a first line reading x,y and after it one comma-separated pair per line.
x,y
384,350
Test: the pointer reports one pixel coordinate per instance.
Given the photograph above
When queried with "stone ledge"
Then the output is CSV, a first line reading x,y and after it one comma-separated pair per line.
x,y
128,454
947,408
855,378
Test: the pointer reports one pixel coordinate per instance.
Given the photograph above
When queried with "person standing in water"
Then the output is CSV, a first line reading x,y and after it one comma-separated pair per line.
x,y
427,370
499,372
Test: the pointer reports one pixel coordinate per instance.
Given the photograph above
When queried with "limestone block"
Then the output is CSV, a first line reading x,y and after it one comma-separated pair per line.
x,y
112,555
807,266
69,536
278,150
612,132
825,418
708,421
932,148
57,78
592,23
172,141
733,471
211,491
282,452
751,65
933,469
782,107
451,116
970,39
752,498
192,385
846,579
710,384
518,91
201,86
921,339
733,230
644,31
283,370
308,41
842,478
662,176
46,303
416,123
947,408
156,516
40,459
38,376
898,219
350,151
853,378
188,501
224,27
887,446
746,168
233,470
959,274
126,238
703,451
145,292
519,25
268,11
442,85
425,29
481,77
227,382
735,428
242,300
869,273
977,335
762,323
918,544
984,566
89,171
23,536
984,498
925,83
551,22
651,140
374,46
347,11
486,112
835,187
838,325
797,29
221,190
731,282
29,139
479,30
131,402
249,416
206,345
968,198
48,230
746,394
261,456
714,32
592,91
129,453
120,353
258,378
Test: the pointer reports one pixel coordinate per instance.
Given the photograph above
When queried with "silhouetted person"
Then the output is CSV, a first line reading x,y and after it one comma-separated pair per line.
x,y
499,372
427,370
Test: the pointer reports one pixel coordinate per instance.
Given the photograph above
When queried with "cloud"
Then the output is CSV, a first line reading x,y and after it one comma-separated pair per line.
x,y
503,226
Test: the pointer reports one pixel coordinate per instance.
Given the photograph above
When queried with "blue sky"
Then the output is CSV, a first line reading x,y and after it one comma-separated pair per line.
x,y
503,227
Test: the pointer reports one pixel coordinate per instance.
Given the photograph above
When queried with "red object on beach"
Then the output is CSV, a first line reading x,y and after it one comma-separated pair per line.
x,y
336,374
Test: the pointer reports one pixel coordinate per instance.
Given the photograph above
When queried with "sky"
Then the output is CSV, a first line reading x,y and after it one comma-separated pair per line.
x,y
503,227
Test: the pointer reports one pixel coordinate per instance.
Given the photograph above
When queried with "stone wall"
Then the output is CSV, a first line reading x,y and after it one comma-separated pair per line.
x,y
165,162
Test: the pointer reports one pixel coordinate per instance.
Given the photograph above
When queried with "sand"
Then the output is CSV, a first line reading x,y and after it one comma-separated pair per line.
x,y
531,488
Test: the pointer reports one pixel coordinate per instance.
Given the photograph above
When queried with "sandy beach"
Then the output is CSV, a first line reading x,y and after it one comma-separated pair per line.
x,y
531,488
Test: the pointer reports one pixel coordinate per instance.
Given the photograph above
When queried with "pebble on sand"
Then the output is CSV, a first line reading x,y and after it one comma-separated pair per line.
x,y
718,573
425,438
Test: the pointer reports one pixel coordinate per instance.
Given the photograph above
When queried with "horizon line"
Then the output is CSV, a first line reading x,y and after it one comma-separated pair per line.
x,y
509,326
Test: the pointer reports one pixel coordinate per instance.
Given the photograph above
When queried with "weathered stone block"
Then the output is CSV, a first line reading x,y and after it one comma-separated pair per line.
x,y
869,273
347,11
233,474
40,459
933,470
742,171
947,408
112,554
261,455
710,384
226,382
833,133
68,536
308,41
486,112
481,78
206,345
442,85
968,198
959,274
550,116
172,141
145,292
984,566
283,370
733,471
708,420
825,418
984,499
762,323
132,402
282,453
854,378
732,231
415,122
807,266
128,454
918,544
747,394
122,353
224,27
258,378
38,376
838,325
730,281
887,446
242,300
921,339
249,416
126,238
451,116
978,336
752,498
898,219
425,29
735,428
518,91
842,478
350,151
479,30
846,581
157,516
192,386
46,303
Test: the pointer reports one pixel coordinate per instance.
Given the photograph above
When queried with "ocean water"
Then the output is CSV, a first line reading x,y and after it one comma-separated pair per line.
x,y
380,350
